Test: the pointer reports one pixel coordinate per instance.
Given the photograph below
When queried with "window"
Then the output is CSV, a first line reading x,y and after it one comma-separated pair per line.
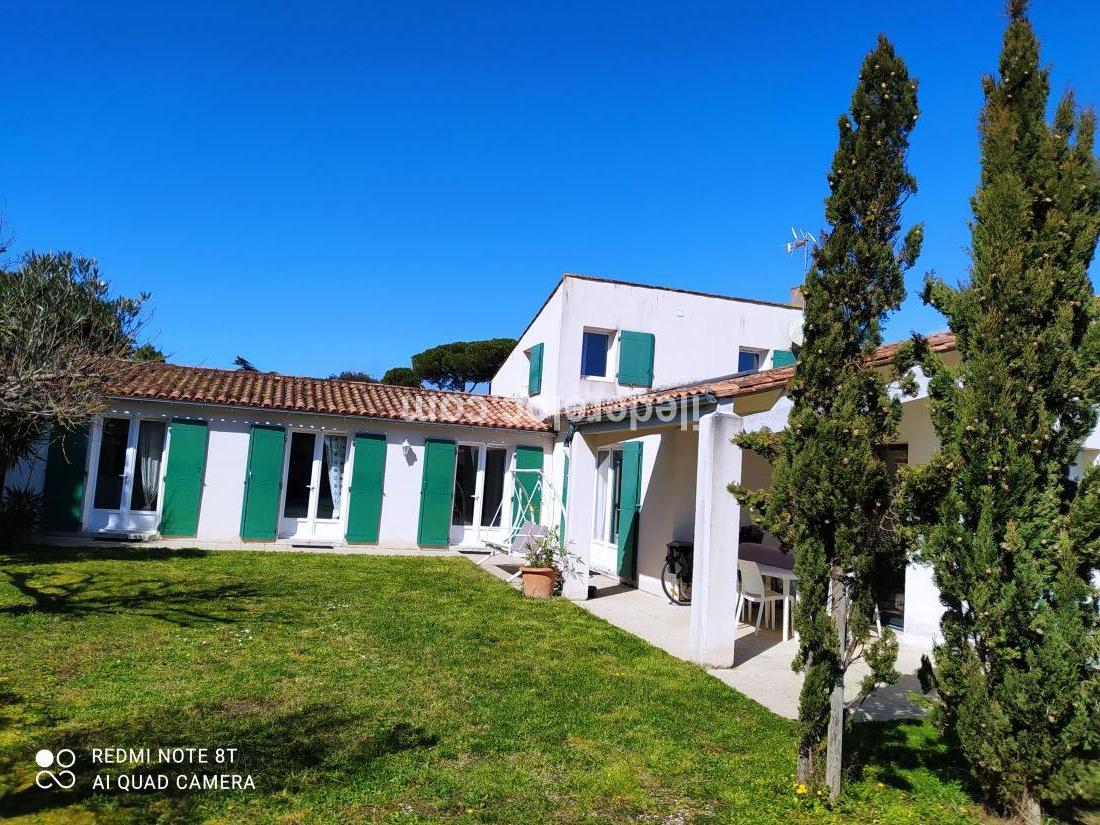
x,y
609,465
748,360
480,471
127,475
594,349
150,447
299,475
111,471
314,481
462,507
493,495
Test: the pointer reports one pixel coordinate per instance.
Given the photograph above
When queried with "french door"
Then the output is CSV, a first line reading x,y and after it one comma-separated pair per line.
x,y
314,487
477,509
128,457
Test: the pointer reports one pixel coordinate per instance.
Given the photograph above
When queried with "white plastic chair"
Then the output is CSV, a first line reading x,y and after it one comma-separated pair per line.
x,y
752,589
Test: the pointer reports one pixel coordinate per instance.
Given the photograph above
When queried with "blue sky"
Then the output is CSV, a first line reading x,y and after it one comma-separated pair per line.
x,y
324,186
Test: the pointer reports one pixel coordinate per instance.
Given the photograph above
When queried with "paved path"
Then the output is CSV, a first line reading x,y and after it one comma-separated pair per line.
x,y
762,663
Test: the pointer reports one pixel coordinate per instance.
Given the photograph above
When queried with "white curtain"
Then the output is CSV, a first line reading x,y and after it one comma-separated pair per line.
x,y
150,446
336,451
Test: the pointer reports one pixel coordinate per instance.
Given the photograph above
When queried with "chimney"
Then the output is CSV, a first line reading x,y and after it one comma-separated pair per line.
x,y
797,298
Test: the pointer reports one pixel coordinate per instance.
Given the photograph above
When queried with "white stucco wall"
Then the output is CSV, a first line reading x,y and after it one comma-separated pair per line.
x,y
697,337
923,609
512,377
668,501
227,460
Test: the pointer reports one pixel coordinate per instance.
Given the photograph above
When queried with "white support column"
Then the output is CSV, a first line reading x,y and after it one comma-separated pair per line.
x,y
579,516
713,626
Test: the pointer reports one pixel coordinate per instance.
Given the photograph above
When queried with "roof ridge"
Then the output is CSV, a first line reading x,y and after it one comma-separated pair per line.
x,y
720,295
185,384
751,380
289,377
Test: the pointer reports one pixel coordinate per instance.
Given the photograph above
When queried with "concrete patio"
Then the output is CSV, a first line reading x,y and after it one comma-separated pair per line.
x,y
762,663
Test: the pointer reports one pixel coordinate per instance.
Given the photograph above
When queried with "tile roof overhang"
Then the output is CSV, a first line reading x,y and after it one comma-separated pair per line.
x,y
156,381
730,386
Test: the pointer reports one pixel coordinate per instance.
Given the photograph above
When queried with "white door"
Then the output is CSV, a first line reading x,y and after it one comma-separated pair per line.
x,y
477,507
128,457
466,503
314,487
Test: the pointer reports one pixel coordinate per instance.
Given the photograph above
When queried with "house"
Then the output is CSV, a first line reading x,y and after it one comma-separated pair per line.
x,y
224,455
612,419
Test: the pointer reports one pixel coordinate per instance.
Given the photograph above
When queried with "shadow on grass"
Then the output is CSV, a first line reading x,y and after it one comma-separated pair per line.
x,y
79,594
283,751
58,554
897,748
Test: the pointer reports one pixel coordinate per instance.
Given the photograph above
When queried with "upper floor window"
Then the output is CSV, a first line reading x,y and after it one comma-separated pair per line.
x,y
749,360
594,348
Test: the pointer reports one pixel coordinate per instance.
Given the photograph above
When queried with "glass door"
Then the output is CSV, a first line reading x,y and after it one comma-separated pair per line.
x,y
127,475
313,492
477,509
464,502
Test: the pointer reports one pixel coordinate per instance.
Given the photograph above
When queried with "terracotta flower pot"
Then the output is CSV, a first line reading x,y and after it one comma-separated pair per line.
x,y
538,582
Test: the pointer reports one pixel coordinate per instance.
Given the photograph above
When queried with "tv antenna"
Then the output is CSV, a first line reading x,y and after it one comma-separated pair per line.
x,y
802,240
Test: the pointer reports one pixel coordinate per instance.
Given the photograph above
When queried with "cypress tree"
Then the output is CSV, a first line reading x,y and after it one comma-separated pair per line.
x,y
1013,540
830,489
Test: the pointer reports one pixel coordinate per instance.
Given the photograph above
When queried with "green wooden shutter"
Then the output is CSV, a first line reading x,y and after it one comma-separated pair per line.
x,y
630,502
183,478
436,493
263,480
534,376
367,474
564,495
782,358
527,493
63,494
636,358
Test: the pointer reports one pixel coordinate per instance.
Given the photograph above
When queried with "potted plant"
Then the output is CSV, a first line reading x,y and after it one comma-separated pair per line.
x,y
547,559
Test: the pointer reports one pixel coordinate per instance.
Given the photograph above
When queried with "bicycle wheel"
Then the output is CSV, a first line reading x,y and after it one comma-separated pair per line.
x,y
675,588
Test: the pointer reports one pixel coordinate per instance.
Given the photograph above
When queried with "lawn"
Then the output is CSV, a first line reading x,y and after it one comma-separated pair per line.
x,y
361,688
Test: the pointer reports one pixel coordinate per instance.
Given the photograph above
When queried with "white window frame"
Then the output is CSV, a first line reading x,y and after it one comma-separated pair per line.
x,y
476,533
311,522
606,483
761,357
122,518
612,355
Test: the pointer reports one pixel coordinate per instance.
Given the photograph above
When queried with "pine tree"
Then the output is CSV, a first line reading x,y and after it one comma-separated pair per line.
x,y
830,489
1012,539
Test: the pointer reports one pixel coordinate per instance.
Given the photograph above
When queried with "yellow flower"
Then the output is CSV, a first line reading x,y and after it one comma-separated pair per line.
x,y
801,789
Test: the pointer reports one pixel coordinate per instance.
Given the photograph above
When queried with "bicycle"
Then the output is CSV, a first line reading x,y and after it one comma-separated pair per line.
x,y
676,574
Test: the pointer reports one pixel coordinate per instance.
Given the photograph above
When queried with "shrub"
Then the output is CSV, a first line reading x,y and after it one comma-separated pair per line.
x,y
20,513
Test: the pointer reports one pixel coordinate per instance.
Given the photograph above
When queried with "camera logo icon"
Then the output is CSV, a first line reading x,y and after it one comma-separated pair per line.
x,y
62,777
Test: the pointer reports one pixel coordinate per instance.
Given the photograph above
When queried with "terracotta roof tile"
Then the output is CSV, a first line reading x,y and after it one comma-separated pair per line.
x,y
322,396
733,386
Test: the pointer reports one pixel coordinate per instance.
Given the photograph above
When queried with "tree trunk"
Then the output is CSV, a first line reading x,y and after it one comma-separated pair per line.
x,y
807,756
834,755
807,751
1028,810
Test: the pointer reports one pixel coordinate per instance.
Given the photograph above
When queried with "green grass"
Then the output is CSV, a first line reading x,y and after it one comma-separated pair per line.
x,y
398,690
